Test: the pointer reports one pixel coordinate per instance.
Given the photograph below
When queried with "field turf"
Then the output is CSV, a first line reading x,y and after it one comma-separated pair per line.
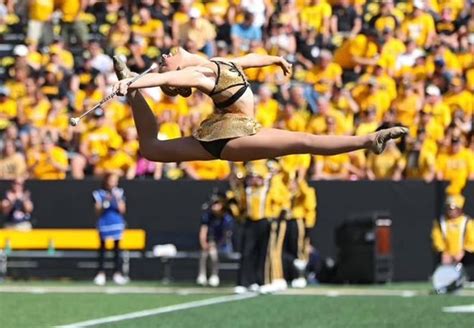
x,y
48,304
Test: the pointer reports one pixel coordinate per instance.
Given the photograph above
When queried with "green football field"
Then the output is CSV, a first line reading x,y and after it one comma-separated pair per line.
x,y
50,304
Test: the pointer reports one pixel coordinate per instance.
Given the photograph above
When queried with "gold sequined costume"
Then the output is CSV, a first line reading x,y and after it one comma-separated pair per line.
x,y
224,124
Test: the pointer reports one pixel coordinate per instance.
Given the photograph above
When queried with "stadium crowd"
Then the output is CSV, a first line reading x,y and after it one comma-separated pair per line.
x,y
357,66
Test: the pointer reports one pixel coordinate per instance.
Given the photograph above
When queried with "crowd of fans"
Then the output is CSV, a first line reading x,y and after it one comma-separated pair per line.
x,y
357,66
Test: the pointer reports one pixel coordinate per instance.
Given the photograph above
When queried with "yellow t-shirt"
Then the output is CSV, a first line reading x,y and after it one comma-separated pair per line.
x,y
99,140
418,28
314,16
440,111
337,165
463,100
119,161
385,164
70,10
360,46
210,170
169,130
8,108
406,109
323,78
266,113
448,234
44,170
455,167
41,10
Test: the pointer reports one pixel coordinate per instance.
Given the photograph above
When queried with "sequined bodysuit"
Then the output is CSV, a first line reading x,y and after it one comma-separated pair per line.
x,y
224,124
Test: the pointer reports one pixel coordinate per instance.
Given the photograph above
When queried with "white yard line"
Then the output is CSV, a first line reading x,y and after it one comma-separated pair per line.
x,y
112,290
459,309
160,310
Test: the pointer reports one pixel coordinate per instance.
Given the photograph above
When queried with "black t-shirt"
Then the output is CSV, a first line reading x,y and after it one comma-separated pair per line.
x,y
346,17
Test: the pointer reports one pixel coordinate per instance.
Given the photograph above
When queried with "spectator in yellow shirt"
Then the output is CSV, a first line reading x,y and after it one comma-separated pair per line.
x,y
50,163
331,167
453,234
325,74
455,165
458,97
435,105
148,31
40,28
407,105
95,143
266,109
116,162
389,165
317,15
421,158
419,25
72,22
358,52
198,30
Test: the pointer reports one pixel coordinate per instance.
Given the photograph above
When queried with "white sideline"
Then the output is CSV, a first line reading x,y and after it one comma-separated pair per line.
x,y
160,310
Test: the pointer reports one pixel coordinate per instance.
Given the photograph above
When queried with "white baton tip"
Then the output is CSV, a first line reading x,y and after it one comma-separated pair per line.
x,y
73,121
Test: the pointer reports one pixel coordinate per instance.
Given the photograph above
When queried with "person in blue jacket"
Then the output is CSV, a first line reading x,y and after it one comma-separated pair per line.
x,y
110,208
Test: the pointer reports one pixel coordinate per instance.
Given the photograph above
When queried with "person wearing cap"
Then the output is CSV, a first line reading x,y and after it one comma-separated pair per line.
x,y
419,25
458,97
455,165
94,143
215,235
435,105
452,234
50,162
199,30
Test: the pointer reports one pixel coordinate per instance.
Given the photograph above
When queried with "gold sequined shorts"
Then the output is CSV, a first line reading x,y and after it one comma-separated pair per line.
x,y
218,129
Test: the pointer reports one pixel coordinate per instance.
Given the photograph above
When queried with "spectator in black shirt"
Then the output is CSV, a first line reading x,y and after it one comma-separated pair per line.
x,y
17,206
345,20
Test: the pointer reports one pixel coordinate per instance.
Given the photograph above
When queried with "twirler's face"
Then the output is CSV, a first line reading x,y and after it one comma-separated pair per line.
x,y
169,61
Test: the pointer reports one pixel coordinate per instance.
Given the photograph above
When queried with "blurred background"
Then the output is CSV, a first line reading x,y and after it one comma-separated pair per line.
x,y
357,66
